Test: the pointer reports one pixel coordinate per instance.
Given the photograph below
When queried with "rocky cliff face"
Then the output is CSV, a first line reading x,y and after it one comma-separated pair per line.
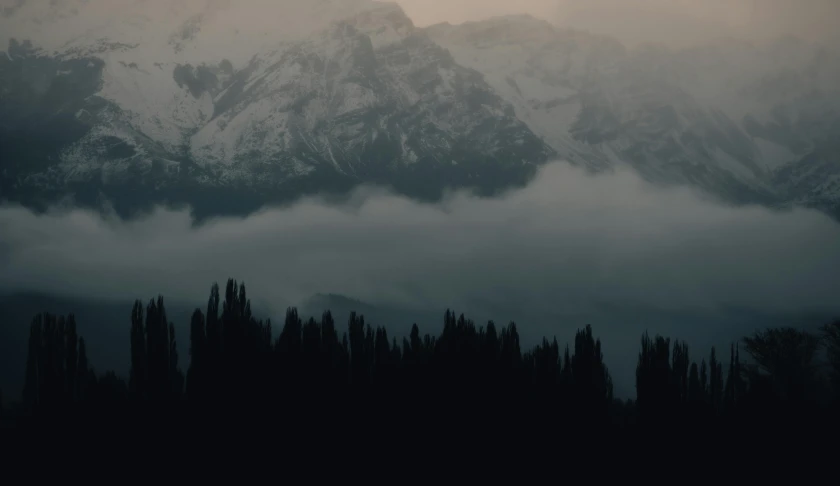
x,y
749,123
227,105
362,105
368,98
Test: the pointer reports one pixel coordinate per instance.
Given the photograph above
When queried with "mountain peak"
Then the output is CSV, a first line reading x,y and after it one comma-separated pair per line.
x,y
384,22
277,98
500,30
203,30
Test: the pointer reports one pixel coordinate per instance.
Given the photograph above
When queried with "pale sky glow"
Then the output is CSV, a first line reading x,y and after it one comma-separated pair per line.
x,y
677,22
427,12
674,22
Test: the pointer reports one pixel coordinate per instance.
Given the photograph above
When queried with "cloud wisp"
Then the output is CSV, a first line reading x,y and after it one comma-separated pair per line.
x,y
569,239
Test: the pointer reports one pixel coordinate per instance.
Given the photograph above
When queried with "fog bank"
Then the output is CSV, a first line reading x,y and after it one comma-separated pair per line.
x,y
568,240
568,250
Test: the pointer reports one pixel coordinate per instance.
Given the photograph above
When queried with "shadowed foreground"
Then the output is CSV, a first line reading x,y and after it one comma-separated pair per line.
x,y
469,381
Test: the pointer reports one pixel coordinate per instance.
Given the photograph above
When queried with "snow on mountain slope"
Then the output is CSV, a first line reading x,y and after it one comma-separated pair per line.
x,y
352,91
538,68
725,117
181,95
237,29
182,30
340,100
142,43
770,72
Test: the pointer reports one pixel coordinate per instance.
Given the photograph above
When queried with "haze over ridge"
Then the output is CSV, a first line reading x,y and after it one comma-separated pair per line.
x,y
678,23
567,239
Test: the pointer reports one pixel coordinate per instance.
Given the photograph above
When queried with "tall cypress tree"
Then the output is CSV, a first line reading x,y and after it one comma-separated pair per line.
x,y
731,387
72,358
60,363
176,378
739,380
655,386
159,345
137,376
83,372
592,381
715,382
197,372
358,357
32,382
695,394
213,378
680,370
46,366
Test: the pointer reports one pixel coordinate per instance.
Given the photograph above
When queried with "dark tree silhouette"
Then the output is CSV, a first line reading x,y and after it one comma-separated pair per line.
x,y
655,393
137,378
715,382
592,384
197,375
831,337
475,381
155,377
83,374
734,388
786,356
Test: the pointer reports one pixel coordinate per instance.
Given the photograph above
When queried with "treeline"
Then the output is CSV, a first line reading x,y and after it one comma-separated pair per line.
x,y
318,372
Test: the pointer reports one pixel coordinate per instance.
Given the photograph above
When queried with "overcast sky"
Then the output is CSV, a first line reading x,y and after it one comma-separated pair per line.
x,y
676,22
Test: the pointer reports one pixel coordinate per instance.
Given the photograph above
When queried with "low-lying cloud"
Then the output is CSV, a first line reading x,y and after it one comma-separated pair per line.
x,y
568,250
569,239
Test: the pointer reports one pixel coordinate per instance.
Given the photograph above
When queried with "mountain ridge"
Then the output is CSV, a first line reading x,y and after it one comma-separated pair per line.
x,y
362,95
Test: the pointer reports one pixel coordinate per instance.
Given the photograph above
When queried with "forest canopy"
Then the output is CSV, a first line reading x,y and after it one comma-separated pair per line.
x,y
238,363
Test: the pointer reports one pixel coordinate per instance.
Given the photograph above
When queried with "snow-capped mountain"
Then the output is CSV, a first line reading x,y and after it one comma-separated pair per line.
x,y
180,31
145,109
735,119
189,100
361,104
